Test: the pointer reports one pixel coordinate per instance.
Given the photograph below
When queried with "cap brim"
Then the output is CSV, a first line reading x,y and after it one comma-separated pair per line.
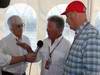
x,y
63,13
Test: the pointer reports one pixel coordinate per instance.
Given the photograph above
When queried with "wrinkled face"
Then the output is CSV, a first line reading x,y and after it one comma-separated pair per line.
x,y
52,30
17,29
71,19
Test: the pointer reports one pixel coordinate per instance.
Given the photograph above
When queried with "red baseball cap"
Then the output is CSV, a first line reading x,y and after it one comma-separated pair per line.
x,y
77,6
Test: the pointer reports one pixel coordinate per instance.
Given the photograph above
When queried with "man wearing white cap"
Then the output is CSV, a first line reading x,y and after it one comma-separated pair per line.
x,y
84,54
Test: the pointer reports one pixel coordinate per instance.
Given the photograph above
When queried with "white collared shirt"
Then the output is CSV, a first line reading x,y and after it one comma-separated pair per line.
x,y
9,48
58,55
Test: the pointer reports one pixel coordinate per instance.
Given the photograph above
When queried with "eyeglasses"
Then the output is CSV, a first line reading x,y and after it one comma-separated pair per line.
x,y
69,16
20,25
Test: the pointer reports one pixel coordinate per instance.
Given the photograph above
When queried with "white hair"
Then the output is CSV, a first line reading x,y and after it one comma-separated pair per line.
x,y
13,20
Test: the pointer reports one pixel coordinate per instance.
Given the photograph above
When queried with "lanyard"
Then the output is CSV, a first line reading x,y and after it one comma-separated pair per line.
x,y
80,31
50,53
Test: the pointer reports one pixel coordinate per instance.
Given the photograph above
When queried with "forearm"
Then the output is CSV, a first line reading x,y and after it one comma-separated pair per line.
x,y
25,46
30,57
17,59
29,49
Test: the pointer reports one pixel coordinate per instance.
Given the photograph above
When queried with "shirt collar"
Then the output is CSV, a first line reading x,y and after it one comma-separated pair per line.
x,y
15,37
57,40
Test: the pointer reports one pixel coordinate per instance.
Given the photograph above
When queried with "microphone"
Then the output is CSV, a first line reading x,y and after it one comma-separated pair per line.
x,y
39,45
4,3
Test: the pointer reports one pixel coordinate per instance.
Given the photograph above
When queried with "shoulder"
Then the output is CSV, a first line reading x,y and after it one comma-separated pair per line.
x,y
6,38
45,40
25,37
5,41
91,35
66,41
90,31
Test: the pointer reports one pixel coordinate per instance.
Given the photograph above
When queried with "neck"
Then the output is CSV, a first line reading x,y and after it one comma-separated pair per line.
x,y
19,37
80,23
53,40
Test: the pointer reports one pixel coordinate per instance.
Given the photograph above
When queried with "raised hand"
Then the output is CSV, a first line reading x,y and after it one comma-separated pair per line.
x,y
31,57
25,46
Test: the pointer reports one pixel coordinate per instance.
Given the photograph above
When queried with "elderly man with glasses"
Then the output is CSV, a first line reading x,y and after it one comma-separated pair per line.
x,y
84,54
13,57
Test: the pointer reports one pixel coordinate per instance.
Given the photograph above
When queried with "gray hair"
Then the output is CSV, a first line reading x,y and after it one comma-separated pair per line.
x,y
58,20
13,20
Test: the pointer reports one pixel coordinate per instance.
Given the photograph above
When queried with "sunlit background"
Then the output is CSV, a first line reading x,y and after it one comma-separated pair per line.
x,y
35,13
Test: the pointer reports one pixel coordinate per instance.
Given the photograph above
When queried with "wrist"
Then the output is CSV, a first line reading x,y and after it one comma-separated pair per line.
x,y
25,58
29,50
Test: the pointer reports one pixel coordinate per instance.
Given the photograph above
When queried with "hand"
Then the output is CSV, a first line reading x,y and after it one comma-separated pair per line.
x,y
31,57
22,44
25,46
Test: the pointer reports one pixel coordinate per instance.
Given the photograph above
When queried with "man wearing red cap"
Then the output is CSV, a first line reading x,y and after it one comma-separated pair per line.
x,y
84,54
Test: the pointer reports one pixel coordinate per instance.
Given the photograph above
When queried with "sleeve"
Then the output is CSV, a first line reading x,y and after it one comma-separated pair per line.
x,y
91,56
26,39
67,48
44,55
39,57
4,59
44,50
42,64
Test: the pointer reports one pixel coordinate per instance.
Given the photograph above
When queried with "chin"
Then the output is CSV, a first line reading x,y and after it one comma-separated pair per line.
x,y
71,28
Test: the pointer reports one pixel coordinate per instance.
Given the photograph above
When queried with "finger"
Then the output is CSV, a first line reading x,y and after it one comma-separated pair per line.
x,y
34,54
18,43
